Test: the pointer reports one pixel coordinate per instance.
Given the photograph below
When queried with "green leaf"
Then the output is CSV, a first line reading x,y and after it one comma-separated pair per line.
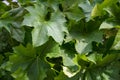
x,y
113,10
87,8
37,70
18,34
20,74
88,76
84,42
84,35
106,5
25,58
83,47
70,40
3,8
70,67
96,11
68,71
65,54
28,51
53,4
116,43
62,77
22,57
39,35
55,52
11,21
98,59
50,75
72,10
30,59
43,28
100,68
14,29
109,24
68,59
106,25
111,72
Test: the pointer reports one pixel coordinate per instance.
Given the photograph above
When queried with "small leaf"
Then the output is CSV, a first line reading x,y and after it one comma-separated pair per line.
x,y
83,47
73,12
20,74
87,8
68,72
62,76
116,43
96,11
109,24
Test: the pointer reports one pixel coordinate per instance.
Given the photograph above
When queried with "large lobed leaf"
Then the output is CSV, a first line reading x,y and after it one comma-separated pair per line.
x,y
27,64
43,28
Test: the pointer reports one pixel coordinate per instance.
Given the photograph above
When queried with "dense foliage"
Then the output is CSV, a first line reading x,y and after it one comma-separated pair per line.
x,y
60,40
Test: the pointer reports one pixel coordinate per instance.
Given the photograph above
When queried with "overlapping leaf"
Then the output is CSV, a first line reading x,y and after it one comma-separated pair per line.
x,y
106,68
43,28
116,44
72,10
87,8
25,62
13,24
93,27
106,5
67,59
109,24
84,42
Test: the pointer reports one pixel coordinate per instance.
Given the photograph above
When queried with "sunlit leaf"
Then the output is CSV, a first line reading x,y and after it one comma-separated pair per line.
x,y
45,26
